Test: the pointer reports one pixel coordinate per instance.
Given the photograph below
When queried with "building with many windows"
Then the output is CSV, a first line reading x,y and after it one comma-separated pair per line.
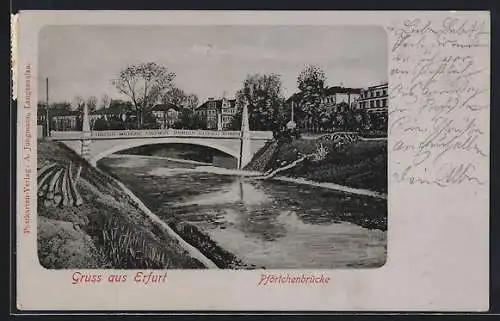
x,y
64,120
374,98
114,116
166,114
62,117
217,113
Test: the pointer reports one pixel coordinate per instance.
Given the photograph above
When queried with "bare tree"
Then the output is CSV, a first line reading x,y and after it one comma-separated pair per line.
x,y
174,96
179,98
143,84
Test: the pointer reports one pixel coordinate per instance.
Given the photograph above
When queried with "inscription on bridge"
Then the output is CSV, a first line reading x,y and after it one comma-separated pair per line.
x,y
149,133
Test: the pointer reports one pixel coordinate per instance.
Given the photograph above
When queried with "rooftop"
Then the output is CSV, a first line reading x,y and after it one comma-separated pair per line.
x,y
166,107
218,103
377,86
342,90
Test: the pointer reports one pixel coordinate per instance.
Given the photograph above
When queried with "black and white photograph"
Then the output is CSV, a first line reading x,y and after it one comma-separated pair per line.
x,y
212,147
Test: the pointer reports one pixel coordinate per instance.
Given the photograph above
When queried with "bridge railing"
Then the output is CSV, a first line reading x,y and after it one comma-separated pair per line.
x,y
163,133
146,133
70,135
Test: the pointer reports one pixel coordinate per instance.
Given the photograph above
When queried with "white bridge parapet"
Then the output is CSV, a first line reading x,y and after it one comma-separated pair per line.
x,y
66,135
94,145
149,133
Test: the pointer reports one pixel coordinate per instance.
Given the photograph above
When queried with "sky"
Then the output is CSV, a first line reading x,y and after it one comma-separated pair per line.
x,y
209,61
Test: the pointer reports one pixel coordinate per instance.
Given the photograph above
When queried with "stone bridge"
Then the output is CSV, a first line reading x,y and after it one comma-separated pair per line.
x,y
94,145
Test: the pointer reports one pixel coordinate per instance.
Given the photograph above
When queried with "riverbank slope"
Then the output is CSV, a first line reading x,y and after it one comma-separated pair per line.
x,y
107,230
362,164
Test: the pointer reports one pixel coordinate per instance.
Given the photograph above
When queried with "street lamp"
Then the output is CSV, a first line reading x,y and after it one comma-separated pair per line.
x,y
291,125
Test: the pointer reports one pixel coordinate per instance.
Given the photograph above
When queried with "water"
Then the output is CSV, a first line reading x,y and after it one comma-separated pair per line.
x,y
268,224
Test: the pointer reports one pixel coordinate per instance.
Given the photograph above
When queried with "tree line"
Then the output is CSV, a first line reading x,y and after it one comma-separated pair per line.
x,y
269,110
148,84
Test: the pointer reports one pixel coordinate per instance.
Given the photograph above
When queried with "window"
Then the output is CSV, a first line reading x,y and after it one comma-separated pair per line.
x,y
384,102
371,104
377,93
385,92
378,103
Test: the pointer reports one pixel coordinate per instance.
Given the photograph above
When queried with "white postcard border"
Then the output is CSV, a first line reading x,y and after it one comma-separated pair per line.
x,y
431,266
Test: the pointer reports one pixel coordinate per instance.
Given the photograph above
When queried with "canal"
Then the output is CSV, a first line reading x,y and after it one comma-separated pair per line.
x,y
266,224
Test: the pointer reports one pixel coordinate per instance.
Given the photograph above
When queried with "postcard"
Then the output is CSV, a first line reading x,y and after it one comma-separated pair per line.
x,y
252,160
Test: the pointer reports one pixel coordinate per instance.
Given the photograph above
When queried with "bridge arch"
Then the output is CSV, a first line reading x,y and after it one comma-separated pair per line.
x,y
168,140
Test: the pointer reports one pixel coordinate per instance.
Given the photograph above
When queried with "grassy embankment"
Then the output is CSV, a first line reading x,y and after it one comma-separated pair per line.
x,y
107,230
359,165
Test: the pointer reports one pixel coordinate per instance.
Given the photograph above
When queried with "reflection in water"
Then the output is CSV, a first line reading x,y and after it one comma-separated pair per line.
x,y
236,192
265,223
243,199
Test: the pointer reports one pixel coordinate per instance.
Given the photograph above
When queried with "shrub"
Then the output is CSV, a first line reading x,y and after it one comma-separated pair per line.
x,y
126,247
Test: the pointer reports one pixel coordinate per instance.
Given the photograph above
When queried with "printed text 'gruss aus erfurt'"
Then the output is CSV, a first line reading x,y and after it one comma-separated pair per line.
x,y
140,277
